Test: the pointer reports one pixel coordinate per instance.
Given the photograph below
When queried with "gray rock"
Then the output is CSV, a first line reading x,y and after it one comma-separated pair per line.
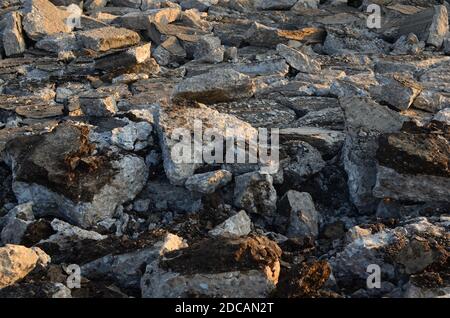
x,y
59,42
125,269
303,160
98,106
401,249
299,214
179,167
66,235
365,121
13,41
397,91
415,188
208,182
298,60
16,223
255,193
107,38
209,50
443,116
170,51
215,86
81,196
215,271
132,137
42,18
143,20
235,226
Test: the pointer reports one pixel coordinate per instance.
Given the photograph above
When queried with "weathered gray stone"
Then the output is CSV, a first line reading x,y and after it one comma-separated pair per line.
x,y
402,249
125,269
107,38
215,86
298,215
235,226
303,160
99,106
214,269
42,18
365,121
255,193
415,188
298,60
143,20
13,41
16,223
208,182
59,173
59,42
397,91
170,51
169,124
209,49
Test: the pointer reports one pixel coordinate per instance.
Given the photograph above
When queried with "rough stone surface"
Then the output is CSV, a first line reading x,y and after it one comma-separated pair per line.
x,y
216,86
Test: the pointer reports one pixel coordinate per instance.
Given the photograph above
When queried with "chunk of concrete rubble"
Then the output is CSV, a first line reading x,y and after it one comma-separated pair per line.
x,y
60,173
328,142
94,104
59,42
209,50
124,59
236,226
16,223
303,160
298,215
143,20
413,166
298,60
126,269
208,182
67,234
430,25
397,91
409,249
132,137
215,87
13,40
170,51
365,121
239,267
17,261
42,18
254,192
107,38
261,35
170,125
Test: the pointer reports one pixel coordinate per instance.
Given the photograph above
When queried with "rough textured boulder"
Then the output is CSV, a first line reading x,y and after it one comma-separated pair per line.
x,y
42,18
61,175
215,87
244,267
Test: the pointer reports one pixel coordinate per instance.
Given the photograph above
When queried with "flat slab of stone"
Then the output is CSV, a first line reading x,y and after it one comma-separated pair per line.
x,y
107,38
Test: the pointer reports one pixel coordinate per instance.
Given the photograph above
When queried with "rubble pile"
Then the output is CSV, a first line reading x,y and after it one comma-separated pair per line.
x,y
348,126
